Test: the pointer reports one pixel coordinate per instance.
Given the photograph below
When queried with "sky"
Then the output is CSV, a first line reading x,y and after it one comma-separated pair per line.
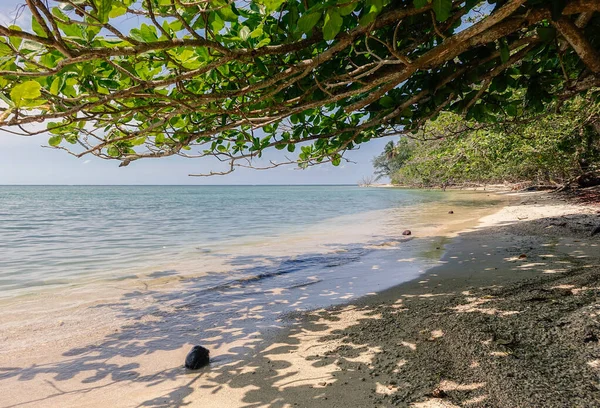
x,y
23,160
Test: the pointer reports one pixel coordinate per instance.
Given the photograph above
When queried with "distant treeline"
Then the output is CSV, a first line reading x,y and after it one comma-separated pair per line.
x,y
552,148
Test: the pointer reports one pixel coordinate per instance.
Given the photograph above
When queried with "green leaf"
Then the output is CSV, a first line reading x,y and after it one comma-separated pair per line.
x,y
420,3
272,5
258,31
113,151
442,9
57,85
55,140
244,33
228,12
15,41
5,50
216,22
146,33
24,93
263,42
512,109
372,10
261,66
332,24
37,28
117,11
367,19
345,10
387,101
308,21
104,8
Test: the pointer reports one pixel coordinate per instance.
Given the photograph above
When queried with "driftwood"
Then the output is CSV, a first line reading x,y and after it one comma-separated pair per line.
x,y
590,179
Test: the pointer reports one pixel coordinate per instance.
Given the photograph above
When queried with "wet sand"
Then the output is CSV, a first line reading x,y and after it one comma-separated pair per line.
x,y
393,348
508,319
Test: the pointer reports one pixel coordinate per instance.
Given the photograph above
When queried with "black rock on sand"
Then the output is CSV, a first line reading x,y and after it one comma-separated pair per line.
x,y
197,358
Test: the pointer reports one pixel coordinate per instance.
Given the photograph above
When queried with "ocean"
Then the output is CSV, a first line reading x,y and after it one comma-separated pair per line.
x,y
62,236
104,290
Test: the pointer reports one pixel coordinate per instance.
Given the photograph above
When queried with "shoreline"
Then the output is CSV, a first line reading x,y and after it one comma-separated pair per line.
x,y
508,320
354,354
476,331
122,343
188,261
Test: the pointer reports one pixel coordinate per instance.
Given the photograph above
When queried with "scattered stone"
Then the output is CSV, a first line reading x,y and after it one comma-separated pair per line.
x,y
438,393
197,358
450,212
322,384
407,232
596,231
590,337
523,256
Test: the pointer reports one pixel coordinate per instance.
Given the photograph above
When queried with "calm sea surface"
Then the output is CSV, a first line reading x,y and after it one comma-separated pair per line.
x,y
56,235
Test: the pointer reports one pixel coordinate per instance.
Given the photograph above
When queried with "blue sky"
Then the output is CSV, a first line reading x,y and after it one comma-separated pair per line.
x,y
24,161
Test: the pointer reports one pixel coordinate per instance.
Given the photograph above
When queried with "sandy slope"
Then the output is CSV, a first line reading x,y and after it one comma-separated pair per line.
x,y
509,318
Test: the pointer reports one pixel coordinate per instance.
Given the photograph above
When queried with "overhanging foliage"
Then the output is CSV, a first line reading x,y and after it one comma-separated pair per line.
x,y
231,79
553,149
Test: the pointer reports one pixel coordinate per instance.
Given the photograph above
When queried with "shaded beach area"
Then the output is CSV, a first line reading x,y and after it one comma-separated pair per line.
x,y
507,317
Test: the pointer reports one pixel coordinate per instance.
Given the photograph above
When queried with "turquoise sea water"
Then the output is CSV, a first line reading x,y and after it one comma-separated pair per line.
x,y
55,235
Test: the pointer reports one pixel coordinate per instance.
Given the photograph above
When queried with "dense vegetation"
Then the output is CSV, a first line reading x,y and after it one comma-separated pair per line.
x,y
133,79
551,148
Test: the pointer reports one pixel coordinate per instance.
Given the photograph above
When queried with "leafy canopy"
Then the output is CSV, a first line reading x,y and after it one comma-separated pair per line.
x,y
231,79
547,149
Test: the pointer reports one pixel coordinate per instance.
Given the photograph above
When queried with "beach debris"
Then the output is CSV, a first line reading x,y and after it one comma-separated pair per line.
x,y
407,232
197,358
450,212
596,231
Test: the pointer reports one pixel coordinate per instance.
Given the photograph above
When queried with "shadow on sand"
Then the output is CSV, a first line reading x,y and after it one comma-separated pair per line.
x,y
503,317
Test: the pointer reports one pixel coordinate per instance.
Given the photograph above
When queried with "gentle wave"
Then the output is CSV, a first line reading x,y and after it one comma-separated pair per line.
x,y
55,236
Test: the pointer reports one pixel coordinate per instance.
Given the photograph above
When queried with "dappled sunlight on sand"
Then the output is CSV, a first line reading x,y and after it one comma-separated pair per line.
x,y
453,328
473,305
434,403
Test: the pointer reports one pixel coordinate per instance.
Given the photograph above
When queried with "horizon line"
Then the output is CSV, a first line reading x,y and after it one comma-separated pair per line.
x,y
175,185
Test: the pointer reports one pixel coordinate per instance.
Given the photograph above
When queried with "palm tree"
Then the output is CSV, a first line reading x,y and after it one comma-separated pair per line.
x,y
390,150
